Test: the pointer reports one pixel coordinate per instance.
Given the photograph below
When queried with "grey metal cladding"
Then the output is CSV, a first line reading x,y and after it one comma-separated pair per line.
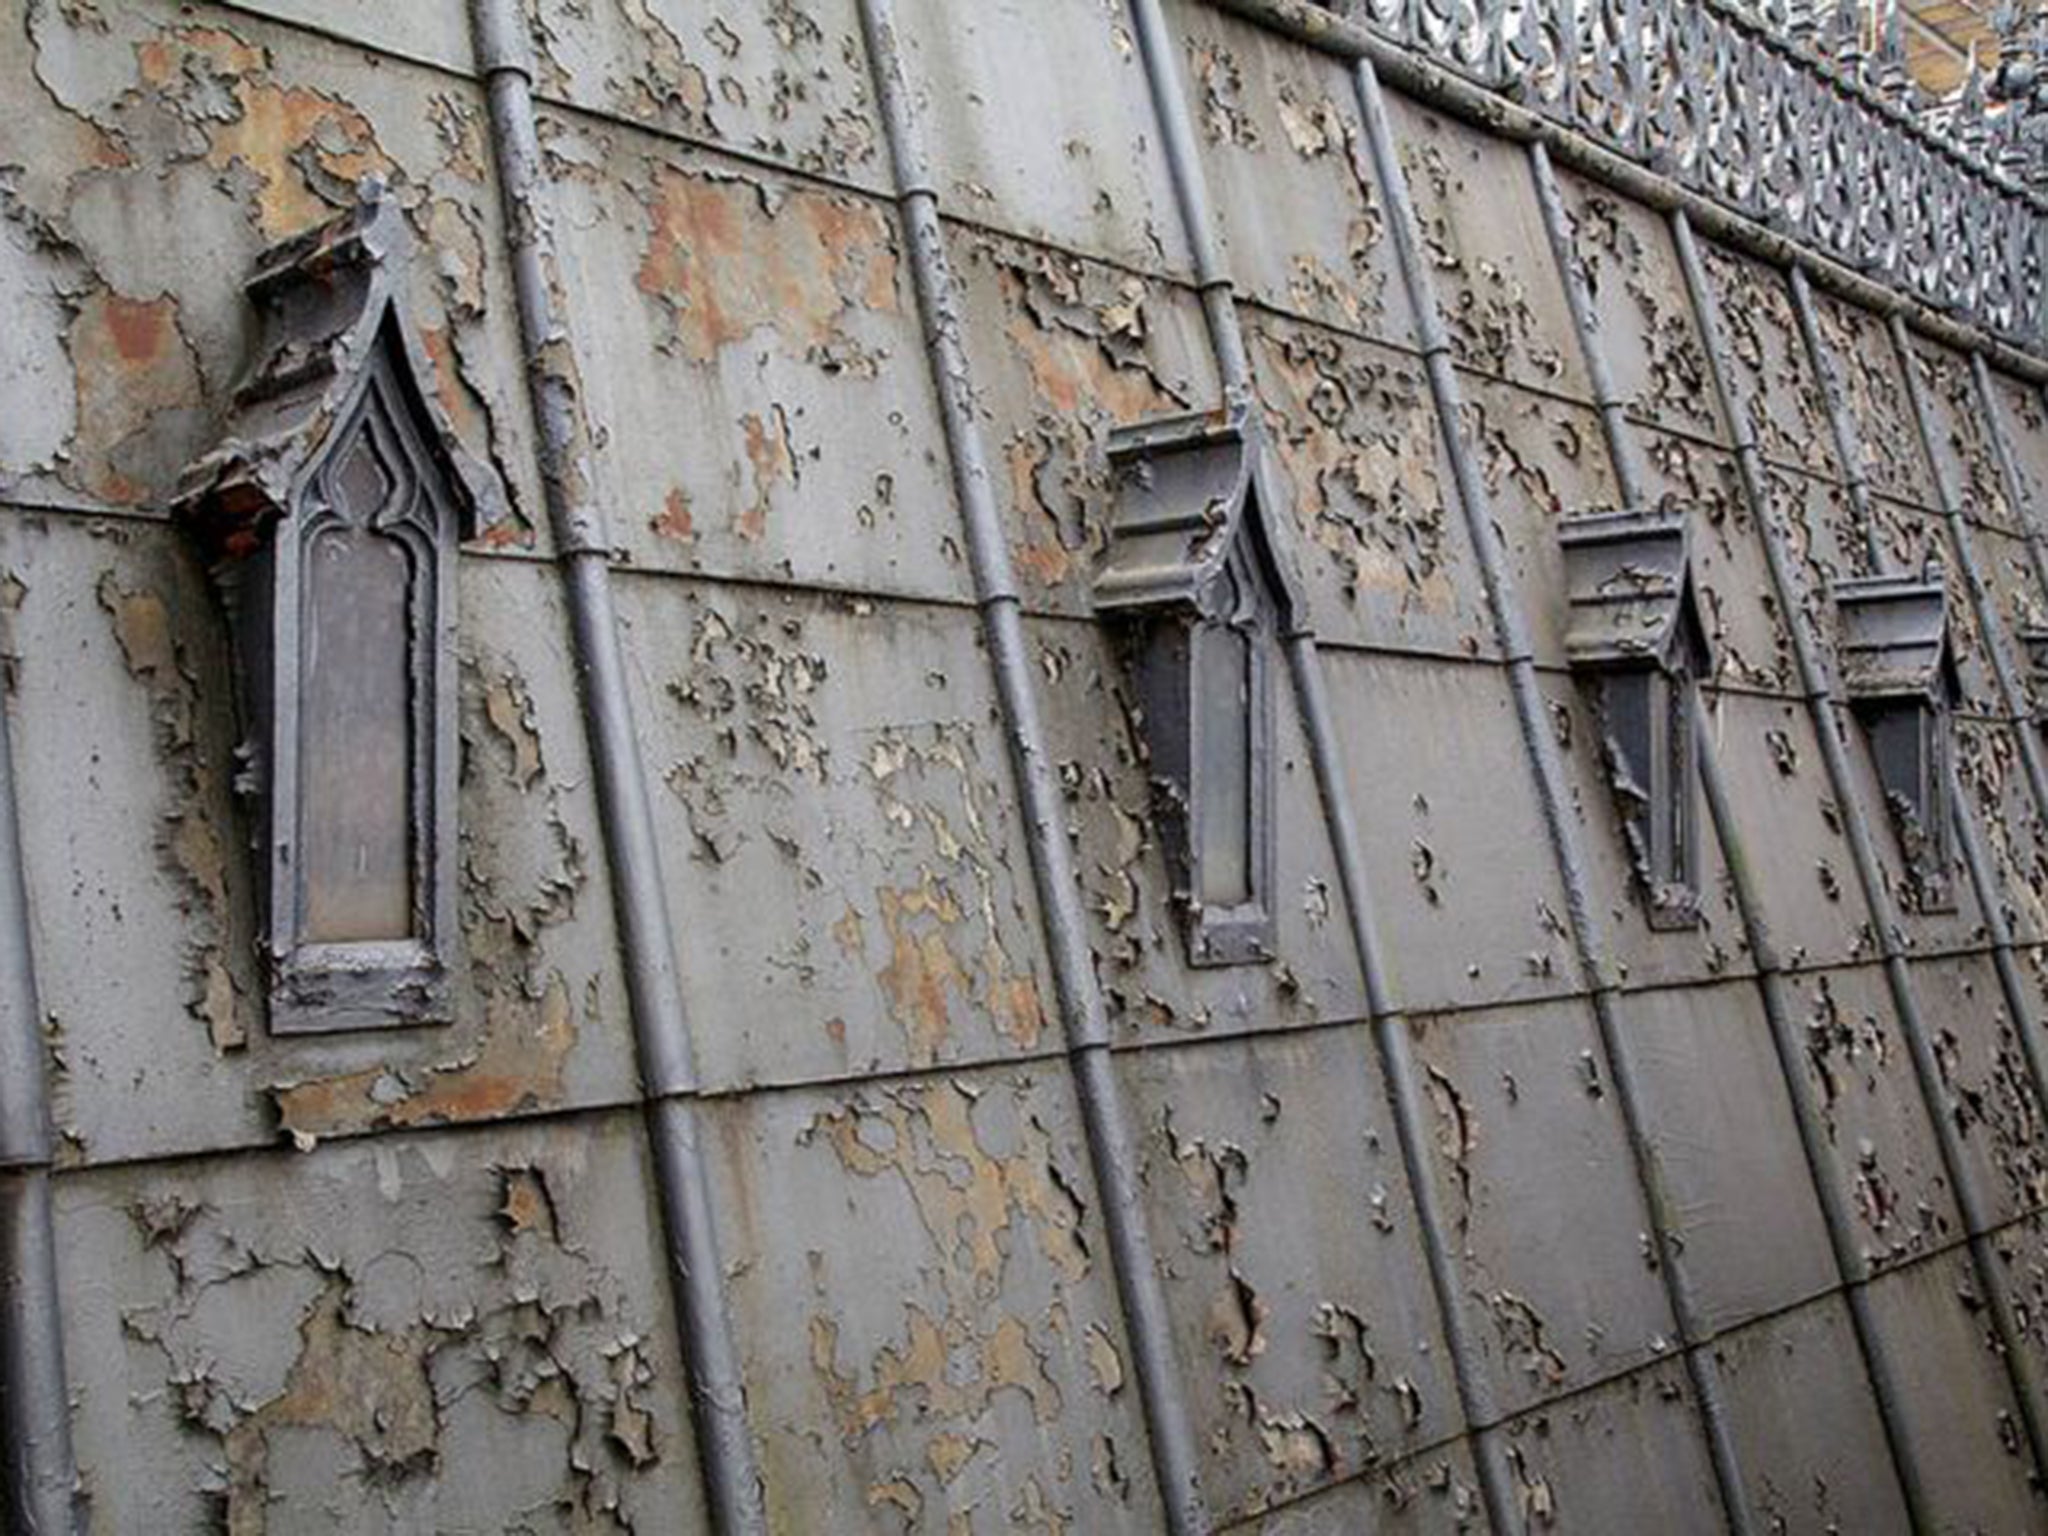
x,y
1898,672
1635,632
1190,577
330,513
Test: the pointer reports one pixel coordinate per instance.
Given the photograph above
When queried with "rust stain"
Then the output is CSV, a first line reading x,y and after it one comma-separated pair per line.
x,y
371,1388
969,1200
519,1066
1358,438
450,388
1073,372
924,1375
674,520
288,138
726,258
774,463
921,969
284,130
131,364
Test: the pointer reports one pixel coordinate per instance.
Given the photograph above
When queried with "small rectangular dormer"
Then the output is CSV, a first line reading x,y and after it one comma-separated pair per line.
x,y
329,515
1634,632
1899,677
2034,646
1190,582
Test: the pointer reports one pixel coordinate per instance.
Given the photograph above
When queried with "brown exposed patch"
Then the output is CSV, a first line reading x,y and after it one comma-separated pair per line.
x,y
372,1388
460,127
1220,86
1083,335
1356,434
674,521
921,969
302,150
969,1199
131,364
284,136
519,1066
774,463
1073,371
1105,1362
527,1205
541,1330
923,1374
727,257
450,388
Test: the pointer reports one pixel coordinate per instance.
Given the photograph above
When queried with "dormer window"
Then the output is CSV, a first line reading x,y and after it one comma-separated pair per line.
x,y
1191,581
330,514
2034,643
1635,636
1899,675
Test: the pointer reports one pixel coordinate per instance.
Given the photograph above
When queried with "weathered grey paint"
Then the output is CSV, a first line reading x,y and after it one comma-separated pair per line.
x,y
828,1098
1830,727
1851,1271
726,1455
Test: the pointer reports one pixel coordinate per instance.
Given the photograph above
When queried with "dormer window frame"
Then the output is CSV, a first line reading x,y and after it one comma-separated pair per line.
x,y
1635,638
1200,600
1899,677
331,515
2033,640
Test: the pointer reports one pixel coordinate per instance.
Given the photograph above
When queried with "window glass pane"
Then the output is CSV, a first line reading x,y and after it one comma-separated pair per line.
x,y
1223,759
355,742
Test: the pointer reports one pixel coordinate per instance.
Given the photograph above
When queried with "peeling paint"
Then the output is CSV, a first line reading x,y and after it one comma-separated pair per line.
x,y
726,258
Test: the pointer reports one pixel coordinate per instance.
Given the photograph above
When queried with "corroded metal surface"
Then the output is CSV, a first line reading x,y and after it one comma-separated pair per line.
x,y
873,1057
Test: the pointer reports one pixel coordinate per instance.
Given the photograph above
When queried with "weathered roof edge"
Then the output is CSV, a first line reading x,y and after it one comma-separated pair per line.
x,y
1826,158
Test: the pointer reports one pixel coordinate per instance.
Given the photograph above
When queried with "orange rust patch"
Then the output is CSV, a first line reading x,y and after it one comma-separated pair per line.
x,y
450,388
162,60
371,1388
768,451
129,361
519,1066
280,134
674,520
1071,372
276,125
726,261
921,969
141,330
1048,561
1020,1015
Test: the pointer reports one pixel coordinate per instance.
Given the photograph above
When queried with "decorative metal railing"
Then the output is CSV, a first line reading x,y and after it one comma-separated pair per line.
x,y
1799,114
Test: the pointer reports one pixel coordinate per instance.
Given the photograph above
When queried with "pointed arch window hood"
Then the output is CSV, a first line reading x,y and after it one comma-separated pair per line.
x,y
330,513
1900,677
1192,581
1635,631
